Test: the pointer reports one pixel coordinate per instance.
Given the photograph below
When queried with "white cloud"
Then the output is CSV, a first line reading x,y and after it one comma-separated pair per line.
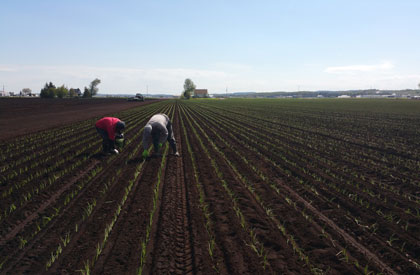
x,y
360,68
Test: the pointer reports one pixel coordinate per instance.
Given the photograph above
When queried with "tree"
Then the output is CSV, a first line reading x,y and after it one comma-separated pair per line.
x,y
93,89
189,88
61,92
43,93
49,91
72,92
25,92
86,93
419,86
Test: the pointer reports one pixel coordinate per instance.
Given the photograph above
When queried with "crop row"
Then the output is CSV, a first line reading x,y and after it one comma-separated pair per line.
x,y
266,186
67,193
280,160
218,202
38,179
129,188
281,221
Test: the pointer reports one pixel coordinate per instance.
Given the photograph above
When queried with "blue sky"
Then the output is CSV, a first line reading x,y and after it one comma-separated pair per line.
x,y
263,46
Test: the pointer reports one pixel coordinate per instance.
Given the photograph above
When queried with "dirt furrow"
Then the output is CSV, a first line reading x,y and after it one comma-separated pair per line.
x,y
39,220
239,258
121,255
35,210
173,251
355,232
371,256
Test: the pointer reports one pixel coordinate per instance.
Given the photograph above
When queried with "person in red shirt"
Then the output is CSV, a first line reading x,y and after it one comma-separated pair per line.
x,y
109,128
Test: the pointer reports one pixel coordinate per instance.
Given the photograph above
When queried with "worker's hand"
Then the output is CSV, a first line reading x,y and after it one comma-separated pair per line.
x,y
145,154
176,154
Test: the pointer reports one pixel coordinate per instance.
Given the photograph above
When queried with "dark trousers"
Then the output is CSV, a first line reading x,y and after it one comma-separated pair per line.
x,y
107,144
171,138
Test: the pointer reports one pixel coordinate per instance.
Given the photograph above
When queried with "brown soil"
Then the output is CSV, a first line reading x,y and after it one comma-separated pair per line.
x,y
80,210
20,116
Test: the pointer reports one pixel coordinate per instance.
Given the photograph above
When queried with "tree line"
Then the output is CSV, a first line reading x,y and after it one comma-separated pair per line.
x,y
51,91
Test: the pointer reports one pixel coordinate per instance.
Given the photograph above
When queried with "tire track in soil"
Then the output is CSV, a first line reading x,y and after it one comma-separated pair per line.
x,y
204,263
172,251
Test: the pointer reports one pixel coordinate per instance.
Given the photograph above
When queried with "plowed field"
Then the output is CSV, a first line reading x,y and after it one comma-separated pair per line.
x,y
260,187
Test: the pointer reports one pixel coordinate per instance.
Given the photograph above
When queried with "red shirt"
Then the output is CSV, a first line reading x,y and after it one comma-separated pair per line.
x,y
108,124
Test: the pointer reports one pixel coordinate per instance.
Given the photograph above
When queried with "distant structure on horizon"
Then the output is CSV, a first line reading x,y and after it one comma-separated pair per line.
x,y
77,92
201,93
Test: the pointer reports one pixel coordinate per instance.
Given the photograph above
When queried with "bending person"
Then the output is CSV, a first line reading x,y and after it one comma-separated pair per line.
x,y
158,130
110,128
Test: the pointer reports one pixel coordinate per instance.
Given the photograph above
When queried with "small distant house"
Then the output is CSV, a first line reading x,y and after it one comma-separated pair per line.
x,y
201,93
25,92
75,92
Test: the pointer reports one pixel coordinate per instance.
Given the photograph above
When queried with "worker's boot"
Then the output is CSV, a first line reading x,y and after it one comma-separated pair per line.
x,y
174,150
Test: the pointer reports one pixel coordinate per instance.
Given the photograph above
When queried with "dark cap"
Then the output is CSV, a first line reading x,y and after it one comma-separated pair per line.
x,y
120,126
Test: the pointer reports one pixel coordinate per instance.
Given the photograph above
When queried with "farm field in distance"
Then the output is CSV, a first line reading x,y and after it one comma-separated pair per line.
x,y
20,116
262,186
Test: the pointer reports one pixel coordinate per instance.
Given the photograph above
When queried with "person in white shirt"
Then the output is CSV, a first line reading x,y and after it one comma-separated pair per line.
x,y
158,130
